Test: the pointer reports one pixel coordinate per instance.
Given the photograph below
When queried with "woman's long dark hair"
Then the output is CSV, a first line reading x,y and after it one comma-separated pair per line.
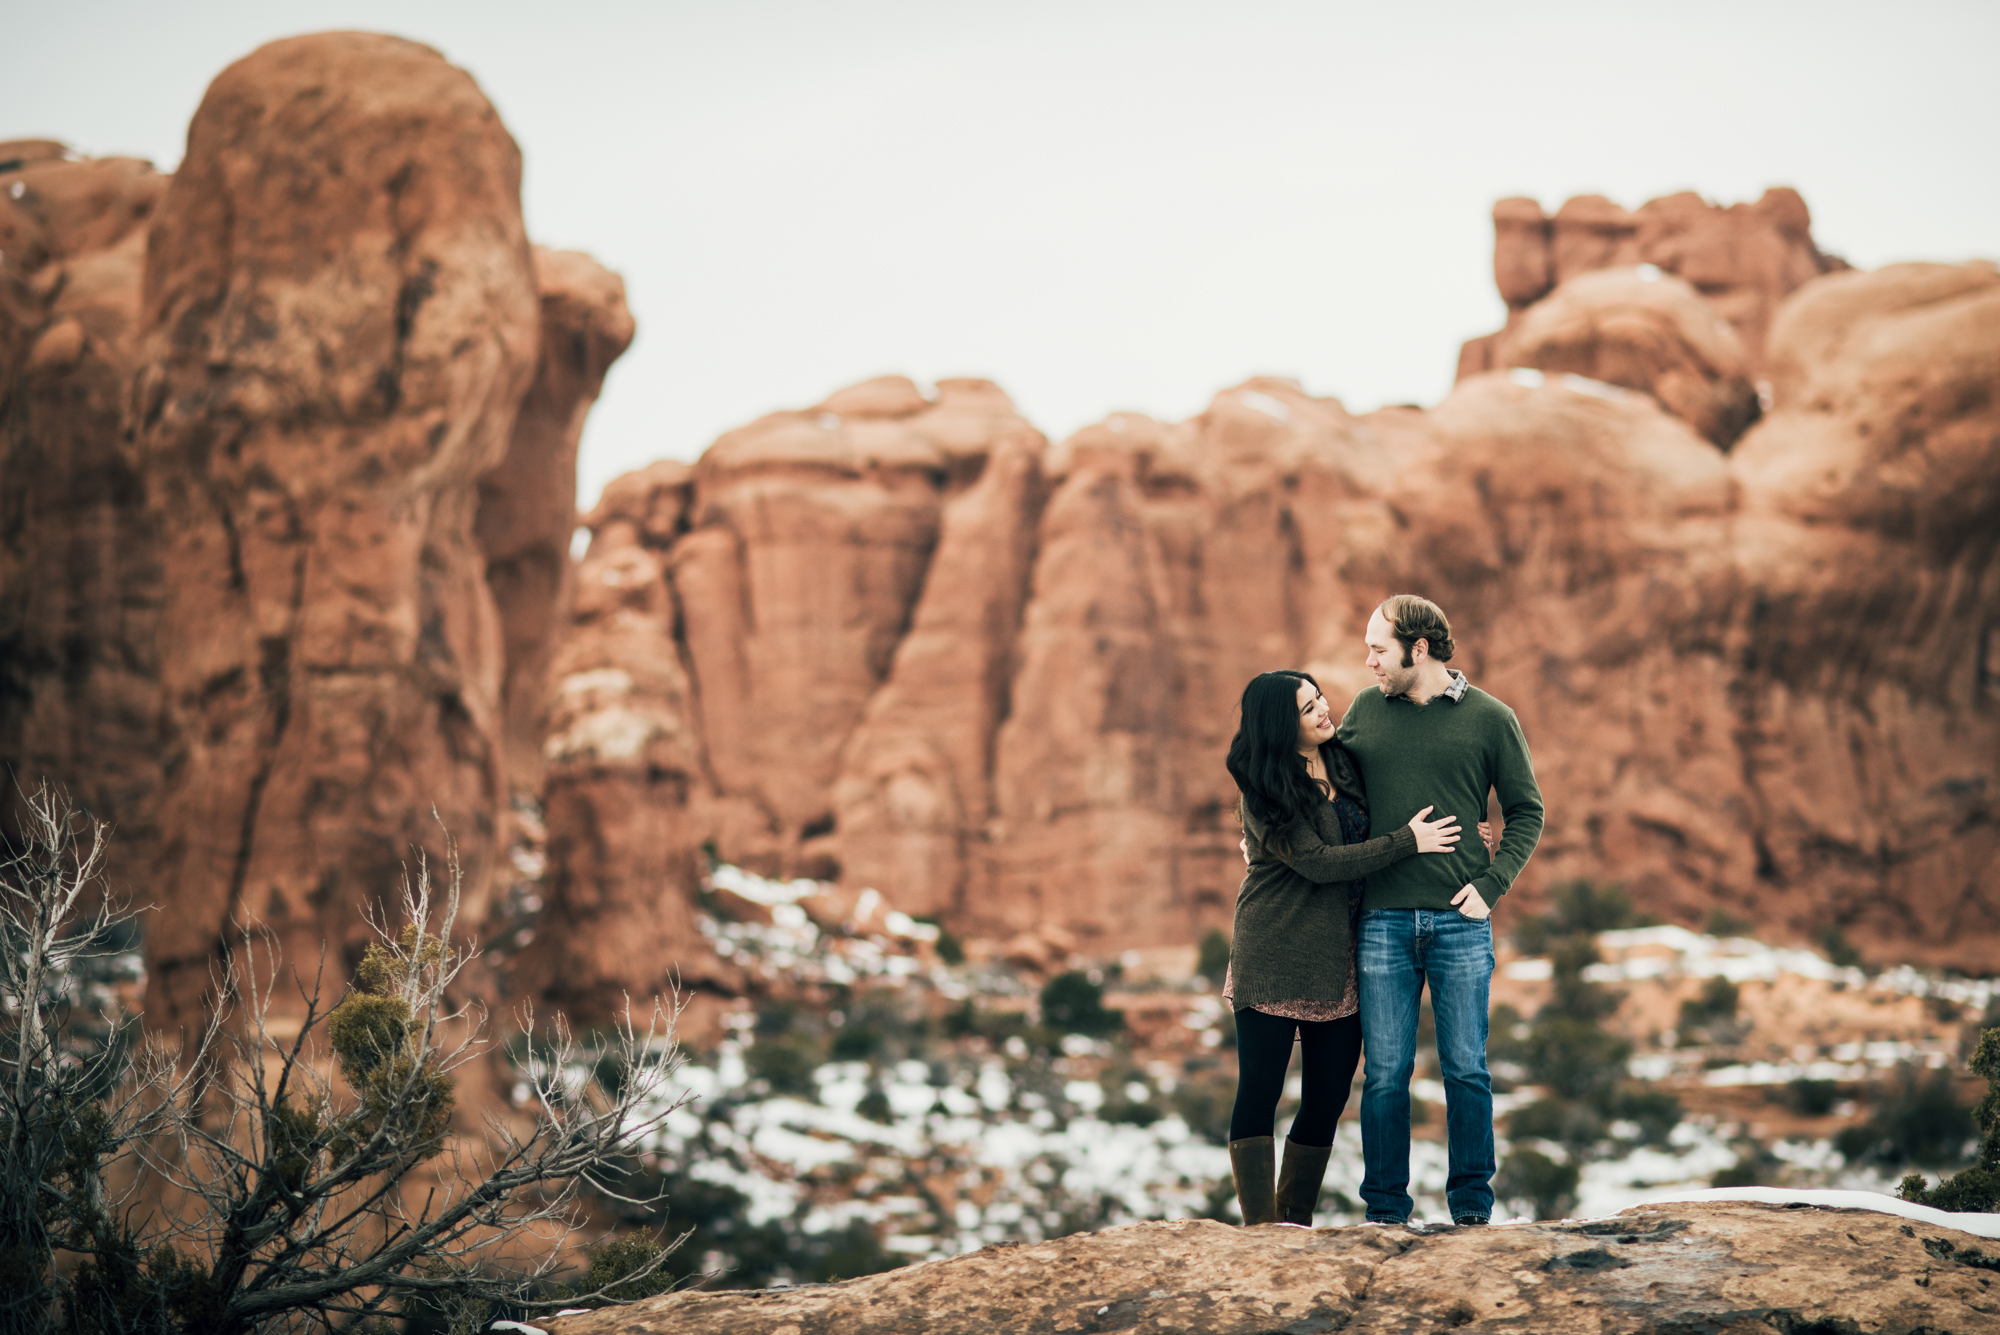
x,y
1264,756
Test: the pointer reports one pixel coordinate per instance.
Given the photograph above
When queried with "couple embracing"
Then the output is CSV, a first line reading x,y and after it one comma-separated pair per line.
x,y
1357,895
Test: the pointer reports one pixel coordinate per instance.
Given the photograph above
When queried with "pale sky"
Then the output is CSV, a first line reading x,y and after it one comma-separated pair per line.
x,y
1102,206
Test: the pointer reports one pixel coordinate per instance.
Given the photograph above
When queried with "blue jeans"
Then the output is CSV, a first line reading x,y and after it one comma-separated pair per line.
x,y
1400,949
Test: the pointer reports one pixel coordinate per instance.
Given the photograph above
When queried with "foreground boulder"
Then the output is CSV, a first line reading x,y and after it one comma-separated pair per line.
x,y
1741,1269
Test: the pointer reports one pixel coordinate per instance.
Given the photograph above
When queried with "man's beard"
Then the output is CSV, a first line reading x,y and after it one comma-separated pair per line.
x,y
1396,680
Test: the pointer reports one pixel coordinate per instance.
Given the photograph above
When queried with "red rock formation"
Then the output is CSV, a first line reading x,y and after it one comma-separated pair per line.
x,y
527,505
1869,700
809,540
1743,259
731,628
1645,330
915,784
80,585
1588,233
624,788
313,430
1760,680
898,640
263,457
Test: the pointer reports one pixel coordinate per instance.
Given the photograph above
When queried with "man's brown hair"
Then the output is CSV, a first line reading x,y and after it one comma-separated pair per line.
x,y
1411,619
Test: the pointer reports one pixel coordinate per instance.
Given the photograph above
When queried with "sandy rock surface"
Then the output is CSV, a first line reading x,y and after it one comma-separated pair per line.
x,y
1742,1269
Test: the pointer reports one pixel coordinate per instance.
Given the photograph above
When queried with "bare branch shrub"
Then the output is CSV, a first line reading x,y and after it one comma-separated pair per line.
x,y
287,1177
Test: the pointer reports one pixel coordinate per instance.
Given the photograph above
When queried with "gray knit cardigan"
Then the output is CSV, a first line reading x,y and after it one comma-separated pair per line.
x,y
1293,938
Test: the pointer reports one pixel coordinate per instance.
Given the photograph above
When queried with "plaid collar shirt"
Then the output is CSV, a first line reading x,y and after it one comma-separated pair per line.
x,y
1454,692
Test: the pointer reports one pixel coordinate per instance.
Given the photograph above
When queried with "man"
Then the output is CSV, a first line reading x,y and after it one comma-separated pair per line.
x,y
1425,736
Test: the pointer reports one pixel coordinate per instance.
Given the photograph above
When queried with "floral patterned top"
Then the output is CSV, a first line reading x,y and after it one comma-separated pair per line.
x,y
1353,829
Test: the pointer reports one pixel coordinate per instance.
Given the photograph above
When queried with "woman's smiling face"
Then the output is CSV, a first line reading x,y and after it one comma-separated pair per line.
x,y
1315,717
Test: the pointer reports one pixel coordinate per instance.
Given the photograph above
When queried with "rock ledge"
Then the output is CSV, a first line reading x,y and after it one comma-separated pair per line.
x,y
1734,1269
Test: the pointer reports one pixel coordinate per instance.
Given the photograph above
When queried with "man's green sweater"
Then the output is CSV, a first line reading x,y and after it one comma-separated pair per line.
x,y
1445,753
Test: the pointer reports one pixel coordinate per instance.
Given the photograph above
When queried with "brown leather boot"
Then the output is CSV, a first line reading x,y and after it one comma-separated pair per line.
x,y
1251,1161
1299,1179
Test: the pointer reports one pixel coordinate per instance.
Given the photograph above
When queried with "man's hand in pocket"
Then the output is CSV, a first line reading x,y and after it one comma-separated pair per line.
x,y
1468,902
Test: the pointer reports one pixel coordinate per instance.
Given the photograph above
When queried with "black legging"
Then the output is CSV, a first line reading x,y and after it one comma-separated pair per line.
x,y
1328,1050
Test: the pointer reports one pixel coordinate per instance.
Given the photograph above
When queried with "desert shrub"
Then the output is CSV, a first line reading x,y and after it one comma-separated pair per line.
x,y
723,1249
1710,1017
1506,1040
1576,908
1838,948
950,949
1755,1166
624,1270
856,1041
1577,997
285,1177
1721,922
969,1020
1565,1049
1563,1121
1977,1187
1204,1100
1655,1111
1547,1186
1130,1111
874,1104
1573,1058
1073,1004
1814,1098
1718,1003
1212,960
785,1064
1917,1119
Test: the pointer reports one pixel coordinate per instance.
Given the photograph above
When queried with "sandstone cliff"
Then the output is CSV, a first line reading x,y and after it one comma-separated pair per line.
x,y
290,479
1756,666
732,626
318,402
80,581
1746,1269
283,563
527,503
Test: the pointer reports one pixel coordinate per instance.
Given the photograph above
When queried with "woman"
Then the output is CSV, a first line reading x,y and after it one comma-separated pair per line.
x,y
1291,959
